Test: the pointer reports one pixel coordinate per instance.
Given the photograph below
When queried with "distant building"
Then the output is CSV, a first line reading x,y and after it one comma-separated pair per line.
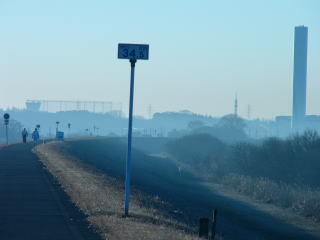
x,y
33,105
312,122
113,108
299,78
283,124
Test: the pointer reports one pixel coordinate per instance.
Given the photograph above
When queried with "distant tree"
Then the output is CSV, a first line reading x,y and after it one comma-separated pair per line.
x,y
195,124
232,121
177,133
293,160
229,129
197,148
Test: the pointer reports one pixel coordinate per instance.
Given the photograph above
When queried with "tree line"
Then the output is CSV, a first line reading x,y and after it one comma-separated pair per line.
x,y
294,160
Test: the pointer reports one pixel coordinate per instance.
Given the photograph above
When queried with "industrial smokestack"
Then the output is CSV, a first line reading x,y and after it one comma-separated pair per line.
x,y
299,78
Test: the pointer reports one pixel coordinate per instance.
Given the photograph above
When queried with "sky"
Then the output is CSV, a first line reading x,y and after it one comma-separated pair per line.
x,y
201,53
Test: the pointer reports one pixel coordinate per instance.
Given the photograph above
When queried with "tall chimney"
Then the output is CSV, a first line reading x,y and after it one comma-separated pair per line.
x,y
299,78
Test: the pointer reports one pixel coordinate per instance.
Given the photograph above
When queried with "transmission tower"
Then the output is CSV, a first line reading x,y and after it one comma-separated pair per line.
x,y
249,111
236,105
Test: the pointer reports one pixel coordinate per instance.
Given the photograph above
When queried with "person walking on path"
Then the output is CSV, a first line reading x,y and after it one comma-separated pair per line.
x,y
35,136
24,135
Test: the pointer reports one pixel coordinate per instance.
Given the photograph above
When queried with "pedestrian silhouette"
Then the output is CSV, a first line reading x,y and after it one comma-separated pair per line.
x,y
35,136
24,134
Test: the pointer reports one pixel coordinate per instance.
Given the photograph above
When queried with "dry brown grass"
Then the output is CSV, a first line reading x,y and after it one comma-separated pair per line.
x,y
301,199
101,198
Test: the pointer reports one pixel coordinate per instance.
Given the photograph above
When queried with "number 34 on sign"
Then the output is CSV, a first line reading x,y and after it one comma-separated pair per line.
x,y
133,51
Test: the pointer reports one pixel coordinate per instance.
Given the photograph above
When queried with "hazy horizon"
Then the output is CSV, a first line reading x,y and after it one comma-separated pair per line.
x,y
200,54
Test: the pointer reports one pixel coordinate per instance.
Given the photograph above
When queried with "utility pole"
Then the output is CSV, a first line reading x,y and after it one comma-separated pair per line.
x,y
236,106
57,128
69,128
6,117
249,111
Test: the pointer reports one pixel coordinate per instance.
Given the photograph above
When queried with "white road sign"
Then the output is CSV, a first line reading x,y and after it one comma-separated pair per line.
x,y
133,51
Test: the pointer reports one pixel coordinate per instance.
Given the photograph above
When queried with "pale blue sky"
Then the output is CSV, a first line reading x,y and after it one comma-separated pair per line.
x,y
201,53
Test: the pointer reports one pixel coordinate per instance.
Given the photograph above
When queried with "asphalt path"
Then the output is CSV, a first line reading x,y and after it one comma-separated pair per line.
x,y
32,204
187,195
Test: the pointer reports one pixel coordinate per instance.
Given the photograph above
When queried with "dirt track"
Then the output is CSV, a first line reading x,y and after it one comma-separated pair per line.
x,y
32,205
189,196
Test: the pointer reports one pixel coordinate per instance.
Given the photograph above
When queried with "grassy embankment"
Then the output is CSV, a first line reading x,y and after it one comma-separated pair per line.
x,y
101,198
283,173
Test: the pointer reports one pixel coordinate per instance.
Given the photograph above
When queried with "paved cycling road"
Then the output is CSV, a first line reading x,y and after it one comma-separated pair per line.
x,y
32,204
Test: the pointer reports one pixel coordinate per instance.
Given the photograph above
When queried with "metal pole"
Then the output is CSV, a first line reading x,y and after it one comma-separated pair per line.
x,y
128,163
7,134
204,228
214,224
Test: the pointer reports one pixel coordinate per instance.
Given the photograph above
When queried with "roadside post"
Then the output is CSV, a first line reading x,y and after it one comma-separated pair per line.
x,y
69,127
214,223
132,52
57,128
6,117
204,227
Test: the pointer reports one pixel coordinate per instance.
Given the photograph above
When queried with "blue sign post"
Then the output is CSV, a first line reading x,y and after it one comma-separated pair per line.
x,y
133,52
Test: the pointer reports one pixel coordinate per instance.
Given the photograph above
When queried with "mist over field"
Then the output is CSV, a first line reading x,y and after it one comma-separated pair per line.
x,y
280,170
160,120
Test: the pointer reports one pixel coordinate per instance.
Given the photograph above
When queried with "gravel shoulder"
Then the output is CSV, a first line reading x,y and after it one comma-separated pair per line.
x,y
101,196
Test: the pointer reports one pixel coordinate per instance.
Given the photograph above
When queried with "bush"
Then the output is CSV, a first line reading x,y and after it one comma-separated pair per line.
x,y
294,160
199,150
305,201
